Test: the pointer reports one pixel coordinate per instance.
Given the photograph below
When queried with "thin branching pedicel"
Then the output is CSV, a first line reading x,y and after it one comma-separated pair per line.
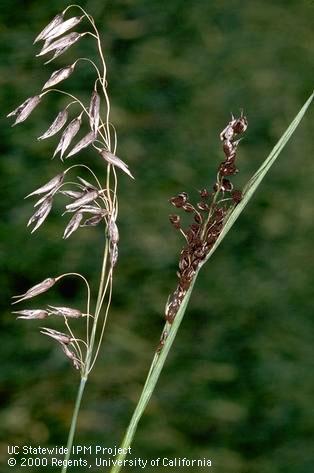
x,y
89,203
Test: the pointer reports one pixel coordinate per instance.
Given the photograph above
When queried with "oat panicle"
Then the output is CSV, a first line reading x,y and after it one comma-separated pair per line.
x,y
90,200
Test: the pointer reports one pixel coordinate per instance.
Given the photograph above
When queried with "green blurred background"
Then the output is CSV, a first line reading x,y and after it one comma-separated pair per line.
x,y
238,386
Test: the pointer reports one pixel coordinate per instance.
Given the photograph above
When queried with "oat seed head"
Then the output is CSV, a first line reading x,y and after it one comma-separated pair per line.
x,y
45,32
69,354
86,199
71,194
73,225
61,44
94,108
92,209
63,27
25,109
62,338
65,312
83,143
53,184
30,314
19,108
88,185
115,161
59,76
56,125
113,232
39,288
67,136
93,221
41,214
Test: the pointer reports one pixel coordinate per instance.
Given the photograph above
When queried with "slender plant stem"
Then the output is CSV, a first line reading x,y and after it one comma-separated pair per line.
x,y
73,423
87,365
151,380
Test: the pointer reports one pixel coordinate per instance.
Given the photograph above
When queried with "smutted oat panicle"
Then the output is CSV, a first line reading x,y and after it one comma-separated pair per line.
x,y
113,235
208,216
113,232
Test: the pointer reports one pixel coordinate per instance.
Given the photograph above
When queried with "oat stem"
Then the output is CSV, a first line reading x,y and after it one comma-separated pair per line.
x,y
74,423
105,282
86,370
152,378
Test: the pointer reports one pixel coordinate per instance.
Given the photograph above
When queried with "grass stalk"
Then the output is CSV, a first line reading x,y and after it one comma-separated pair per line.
x,y
152,378
74,423
86,371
